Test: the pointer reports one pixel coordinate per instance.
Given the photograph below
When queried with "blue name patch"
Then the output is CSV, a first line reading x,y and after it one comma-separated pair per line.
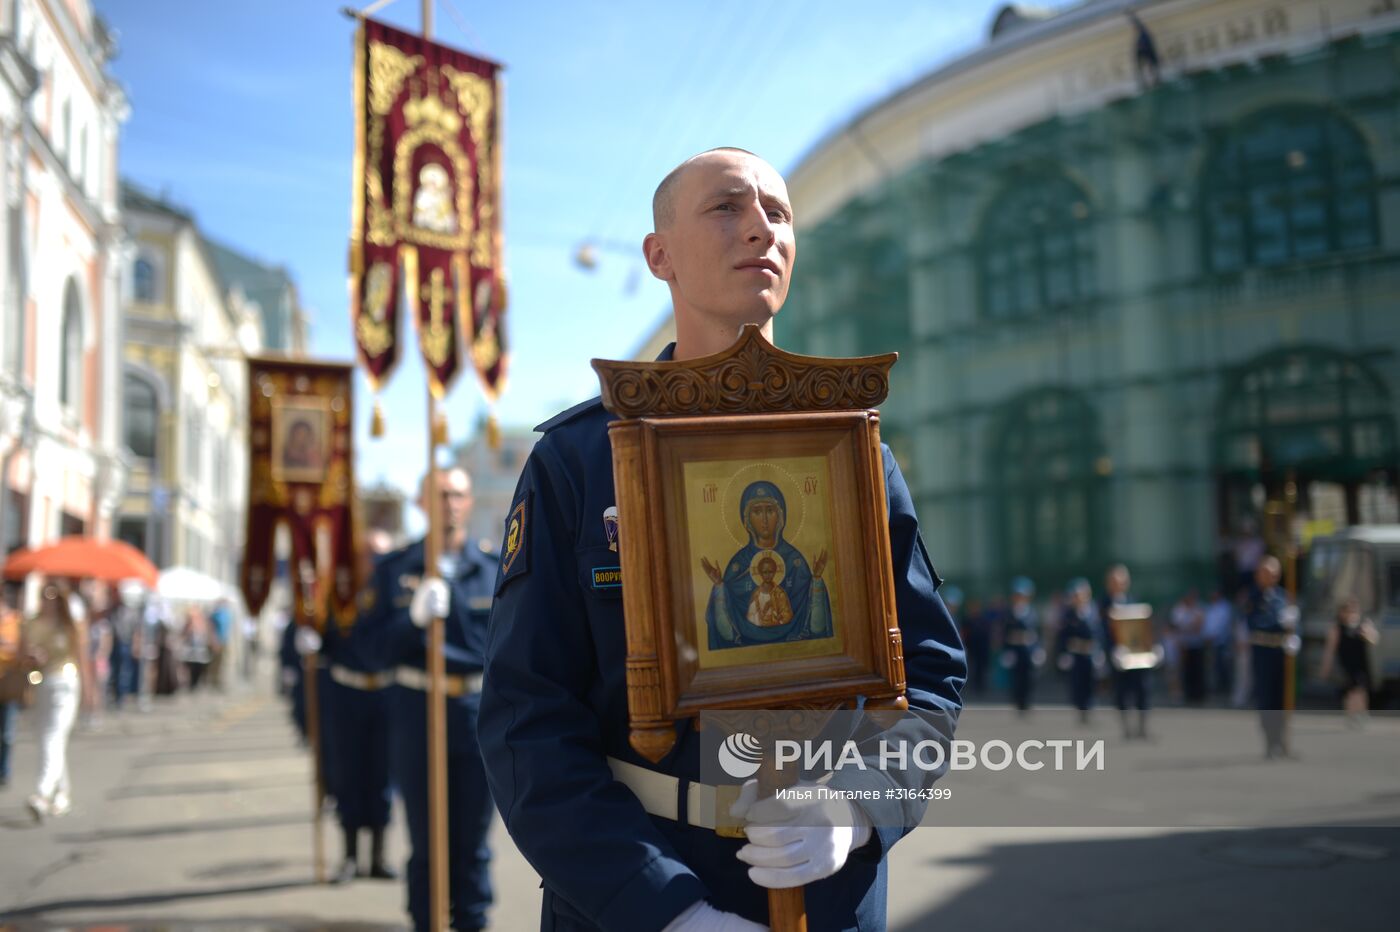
x,y
607,577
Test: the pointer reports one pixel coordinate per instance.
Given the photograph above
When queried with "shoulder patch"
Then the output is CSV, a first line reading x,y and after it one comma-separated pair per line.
x,y
515,547
367,599
564,417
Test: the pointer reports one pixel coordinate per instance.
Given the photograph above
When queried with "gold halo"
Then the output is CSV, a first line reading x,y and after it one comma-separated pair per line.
x,y
791,496
771,555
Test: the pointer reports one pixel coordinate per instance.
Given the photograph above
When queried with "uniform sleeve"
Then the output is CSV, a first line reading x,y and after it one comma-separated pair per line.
x,y
586,835
935,664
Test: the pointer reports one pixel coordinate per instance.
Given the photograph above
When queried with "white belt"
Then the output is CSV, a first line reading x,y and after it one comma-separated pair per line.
x,y
659,794
367,682
414,678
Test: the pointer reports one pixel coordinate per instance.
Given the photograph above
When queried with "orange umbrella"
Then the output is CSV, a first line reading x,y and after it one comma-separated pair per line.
x,y
83,558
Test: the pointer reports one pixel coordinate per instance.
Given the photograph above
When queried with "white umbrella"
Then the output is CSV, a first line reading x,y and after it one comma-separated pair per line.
x,y
184,584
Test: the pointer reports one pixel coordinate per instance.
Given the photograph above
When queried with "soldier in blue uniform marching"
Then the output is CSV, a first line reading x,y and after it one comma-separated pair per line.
x,y
1020,641
598,822
1271,623
1077,645
357,727
405,598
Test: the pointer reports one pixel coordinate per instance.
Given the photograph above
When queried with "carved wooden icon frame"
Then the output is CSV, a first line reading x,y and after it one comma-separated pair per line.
x,y
753,535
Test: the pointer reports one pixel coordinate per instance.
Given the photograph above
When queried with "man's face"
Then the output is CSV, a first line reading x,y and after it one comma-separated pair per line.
x,y
455,498
763,516
728,252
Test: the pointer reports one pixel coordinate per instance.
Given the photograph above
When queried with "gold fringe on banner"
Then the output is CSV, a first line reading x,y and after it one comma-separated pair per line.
x,y
376,420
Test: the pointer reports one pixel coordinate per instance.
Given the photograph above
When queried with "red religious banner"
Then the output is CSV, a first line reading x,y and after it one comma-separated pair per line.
x,y
426,210
301,477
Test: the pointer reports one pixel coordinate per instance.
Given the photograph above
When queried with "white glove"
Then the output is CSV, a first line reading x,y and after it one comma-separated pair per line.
x,y
429,601
702,917
307,641
798,840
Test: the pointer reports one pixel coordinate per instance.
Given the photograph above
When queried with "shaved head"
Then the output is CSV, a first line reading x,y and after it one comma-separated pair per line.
x,y
663,202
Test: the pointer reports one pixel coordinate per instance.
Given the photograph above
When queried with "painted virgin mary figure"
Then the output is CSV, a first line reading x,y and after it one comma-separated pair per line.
x,y
767,592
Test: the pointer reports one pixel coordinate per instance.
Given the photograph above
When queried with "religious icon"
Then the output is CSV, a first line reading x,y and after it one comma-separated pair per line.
x,y
432,202
300,439
767,592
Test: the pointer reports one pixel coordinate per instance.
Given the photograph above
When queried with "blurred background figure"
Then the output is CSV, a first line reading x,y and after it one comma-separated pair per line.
x,y
196,646
1077,645
1132,687
126,623
1349,642
54,647
1189,627
1220,641
977,639
220,625
13,679
1020,638
1266,615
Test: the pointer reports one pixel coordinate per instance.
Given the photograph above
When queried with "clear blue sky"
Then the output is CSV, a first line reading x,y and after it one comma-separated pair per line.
x,y
241,112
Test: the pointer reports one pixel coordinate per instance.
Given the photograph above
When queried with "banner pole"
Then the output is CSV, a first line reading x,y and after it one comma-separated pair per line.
x,y
309,663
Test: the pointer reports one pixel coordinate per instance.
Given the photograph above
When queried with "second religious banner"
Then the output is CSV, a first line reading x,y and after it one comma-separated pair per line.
x,y
301,477
426,209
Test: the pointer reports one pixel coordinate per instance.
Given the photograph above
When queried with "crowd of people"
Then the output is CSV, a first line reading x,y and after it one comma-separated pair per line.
x,y
1203,647
87,648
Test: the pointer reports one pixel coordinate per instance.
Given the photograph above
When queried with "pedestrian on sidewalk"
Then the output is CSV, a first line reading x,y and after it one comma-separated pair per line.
x,y
14,683
54,645
1349,643
1188,626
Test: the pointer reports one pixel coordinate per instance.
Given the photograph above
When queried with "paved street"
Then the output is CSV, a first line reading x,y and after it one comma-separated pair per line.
x,y
196,815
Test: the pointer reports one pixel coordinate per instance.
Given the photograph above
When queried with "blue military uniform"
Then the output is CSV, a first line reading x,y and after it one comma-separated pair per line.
x,y
1263,616
554,710
1078,640
1020,636
470,575
357,729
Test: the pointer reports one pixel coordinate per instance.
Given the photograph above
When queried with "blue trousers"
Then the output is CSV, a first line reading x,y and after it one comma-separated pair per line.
x,y
1267,666
125,677
357,729
1081,682
1134,688
1021,672
469,806
8,713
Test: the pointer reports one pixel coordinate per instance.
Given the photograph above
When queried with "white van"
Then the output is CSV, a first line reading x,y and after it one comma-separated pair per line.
x,y
1364,562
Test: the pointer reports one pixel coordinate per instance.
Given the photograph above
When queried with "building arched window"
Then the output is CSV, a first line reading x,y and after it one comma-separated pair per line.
x,y
70,364
1035,251
1309,411
1288,183
143,280
141,414
1048,490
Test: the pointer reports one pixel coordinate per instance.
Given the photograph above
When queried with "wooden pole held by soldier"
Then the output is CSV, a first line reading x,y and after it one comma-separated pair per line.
x,y
437,704
309,663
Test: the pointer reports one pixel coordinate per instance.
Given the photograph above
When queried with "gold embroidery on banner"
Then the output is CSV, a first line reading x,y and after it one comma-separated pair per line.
x,y
388,67
372,327
474,96
334,488
436,335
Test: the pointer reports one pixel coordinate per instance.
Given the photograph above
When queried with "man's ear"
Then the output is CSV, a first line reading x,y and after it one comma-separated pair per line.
x,y
658,257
